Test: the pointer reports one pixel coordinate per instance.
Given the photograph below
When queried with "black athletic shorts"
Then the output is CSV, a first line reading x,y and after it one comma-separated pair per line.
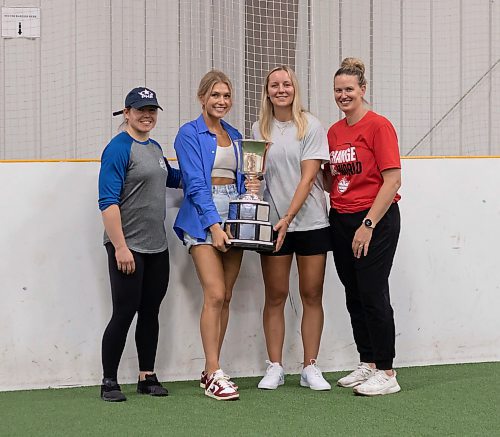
x,y
305,243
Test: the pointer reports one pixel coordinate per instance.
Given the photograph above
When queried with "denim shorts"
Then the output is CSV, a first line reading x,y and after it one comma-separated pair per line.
x,y
221,195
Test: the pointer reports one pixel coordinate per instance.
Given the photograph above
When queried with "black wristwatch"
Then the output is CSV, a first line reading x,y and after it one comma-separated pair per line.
x,y
368,223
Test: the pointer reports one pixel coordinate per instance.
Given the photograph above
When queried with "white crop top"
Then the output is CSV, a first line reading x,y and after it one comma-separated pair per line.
x,y
225,162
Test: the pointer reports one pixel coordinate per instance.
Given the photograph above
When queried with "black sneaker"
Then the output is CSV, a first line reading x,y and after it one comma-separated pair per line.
x,y
151,386
111,391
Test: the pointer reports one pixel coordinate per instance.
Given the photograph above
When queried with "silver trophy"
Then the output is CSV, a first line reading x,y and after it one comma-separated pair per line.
x,y
248,224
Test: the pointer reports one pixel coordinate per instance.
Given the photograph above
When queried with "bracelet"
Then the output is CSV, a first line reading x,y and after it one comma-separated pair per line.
x,y
288,215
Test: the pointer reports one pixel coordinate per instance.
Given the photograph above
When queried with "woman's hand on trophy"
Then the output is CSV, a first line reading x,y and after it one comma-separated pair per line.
x,y
252,184
220,239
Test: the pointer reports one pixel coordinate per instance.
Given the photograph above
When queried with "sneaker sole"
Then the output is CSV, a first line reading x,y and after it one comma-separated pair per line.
x,y
234,397
353,384
305,384
389,391
113,400
270,387
203,386
152,394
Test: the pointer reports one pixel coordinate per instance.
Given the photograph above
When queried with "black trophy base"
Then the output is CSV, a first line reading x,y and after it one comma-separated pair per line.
x,y
250,234
259,246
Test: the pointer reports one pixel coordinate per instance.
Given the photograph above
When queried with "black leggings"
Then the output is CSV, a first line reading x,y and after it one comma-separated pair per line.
x,y
366,282
141,292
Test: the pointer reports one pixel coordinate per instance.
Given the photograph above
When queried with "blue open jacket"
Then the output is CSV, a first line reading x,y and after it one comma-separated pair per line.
x,y
196,146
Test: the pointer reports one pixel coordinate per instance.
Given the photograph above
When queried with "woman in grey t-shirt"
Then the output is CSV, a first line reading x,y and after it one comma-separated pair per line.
x,y
294,190
133,178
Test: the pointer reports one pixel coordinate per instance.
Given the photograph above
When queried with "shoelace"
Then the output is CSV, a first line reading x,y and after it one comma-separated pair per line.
x,y
228,379
224,382
317,371
377,379
226,376
272,368
362,371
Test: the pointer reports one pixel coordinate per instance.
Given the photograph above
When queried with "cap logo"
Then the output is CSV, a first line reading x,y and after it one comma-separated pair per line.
x,y
146,94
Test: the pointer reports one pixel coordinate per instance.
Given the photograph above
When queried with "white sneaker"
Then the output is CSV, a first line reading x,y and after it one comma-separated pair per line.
x,y
219,387
274,376
379,384
358,376
312,377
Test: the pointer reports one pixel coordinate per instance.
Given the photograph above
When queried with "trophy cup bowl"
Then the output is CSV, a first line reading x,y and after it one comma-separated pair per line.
x,y
248,224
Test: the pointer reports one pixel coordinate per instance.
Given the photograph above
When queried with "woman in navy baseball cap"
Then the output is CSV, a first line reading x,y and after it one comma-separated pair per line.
x,y
132,186
139,98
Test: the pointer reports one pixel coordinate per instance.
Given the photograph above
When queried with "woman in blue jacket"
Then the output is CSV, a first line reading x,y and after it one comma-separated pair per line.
x,y
208,158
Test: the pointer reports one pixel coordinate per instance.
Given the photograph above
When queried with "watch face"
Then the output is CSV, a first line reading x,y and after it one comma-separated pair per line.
x,y
368,223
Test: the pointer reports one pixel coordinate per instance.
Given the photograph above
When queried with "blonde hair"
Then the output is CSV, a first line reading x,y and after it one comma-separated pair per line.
x,y
353,67
211,78
266,111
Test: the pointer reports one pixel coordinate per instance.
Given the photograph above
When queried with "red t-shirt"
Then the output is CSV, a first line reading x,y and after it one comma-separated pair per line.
x,y
358,155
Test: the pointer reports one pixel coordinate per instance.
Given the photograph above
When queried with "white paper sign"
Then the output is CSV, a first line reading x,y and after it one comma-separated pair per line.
x,y
20,22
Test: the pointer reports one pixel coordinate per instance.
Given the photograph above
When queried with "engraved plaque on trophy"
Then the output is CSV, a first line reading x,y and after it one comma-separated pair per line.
x,y
248,224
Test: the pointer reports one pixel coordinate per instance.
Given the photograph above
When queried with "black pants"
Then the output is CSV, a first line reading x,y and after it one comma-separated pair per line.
x,y
366,282
141,292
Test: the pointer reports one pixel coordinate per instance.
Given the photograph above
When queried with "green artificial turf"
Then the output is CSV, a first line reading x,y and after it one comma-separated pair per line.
x,y
461,400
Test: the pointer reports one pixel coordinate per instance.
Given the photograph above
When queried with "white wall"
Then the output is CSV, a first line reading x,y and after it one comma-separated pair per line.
x,y
55,299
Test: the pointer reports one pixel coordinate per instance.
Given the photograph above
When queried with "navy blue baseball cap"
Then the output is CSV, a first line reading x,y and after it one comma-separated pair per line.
x,y
138,98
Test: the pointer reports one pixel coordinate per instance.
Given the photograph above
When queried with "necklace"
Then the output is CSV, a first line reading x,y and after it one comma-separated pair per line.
x,y
282,125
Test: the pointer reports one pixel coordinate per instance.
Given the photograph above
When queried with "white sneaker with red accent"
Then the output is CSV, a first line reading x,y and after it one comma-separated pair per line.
x,y
204,378
219,387
380,383
312,377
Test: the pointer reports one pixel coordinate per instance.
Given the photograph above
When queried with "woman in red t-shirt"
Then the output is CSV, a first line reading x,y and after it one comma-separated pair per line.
x,y
364,177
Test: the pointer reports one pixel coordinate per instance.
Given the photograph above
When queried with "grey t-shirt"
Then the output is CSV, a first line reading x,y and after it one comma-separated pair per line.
x,y
283,172
133,175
